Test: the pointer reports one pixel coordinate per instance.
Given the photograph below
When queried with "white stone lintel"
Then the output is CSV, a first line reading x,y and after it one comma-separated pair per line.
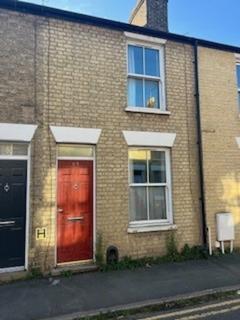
x,y
17,132
75,135
149,139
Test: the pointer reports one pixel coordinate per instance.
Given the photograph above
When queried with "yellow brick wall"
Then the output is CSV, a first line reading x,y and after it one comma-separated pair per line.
x,y
220,127
17,91
88,89
81,81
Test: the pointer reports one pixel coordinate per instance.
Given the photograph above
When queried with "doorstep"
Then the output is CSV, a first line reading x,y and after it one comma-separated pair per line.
x,y
74,268
12,276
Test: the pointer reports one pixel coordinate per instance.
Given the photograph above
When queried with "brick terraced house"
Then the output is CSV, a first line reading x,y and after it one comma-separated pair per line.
x,y
113,136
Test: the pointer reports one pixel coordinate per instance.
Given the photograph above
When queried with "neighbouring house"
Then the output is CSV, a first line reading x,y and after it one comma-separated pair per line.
x,y
113,136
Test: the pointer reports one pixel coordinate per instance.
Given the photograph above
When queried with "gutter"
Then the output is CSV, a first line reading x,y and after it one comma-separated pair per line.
x,y
200,147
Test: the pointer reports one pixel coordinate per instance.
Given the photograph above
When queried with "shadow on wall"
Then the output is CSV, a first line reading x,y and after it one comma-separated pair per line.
x,y
231,197
43,200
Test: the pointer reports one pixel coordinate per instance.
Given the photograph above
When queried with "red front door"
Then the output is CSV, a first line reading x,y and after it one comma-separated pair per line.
x,y
75,211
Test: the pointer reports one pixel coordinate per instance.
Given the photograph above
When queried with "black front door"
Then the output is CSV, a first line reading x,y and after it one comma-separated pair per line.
x,y
13,182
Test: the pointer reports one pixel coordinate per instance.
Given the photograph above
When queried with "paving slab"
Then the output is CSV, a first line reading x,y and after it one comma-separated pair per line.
x,y
46,298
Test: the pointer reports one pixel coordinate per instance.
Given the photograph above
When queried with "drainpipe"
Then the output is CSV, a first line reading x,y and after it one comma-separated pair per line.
x,y
200,148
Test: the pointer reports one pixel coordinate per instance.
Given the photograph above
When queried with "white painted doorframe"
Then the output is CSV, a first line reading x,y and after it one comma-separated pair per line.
x,y
94,204
27,225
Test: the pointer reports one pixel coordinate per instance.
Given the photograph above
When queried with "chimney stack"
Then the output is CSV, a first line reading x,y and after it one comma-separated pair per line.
x,y
151,14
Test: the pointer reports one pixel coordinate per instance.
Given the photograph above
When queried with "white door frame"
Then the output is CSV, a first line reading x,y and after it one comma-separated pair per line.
x,y
93,159
27,224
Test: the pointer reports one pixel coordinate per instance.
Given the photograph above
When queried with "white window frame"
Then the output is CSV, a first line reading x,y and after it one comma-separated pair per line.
x,y
238,87
160,79
168,190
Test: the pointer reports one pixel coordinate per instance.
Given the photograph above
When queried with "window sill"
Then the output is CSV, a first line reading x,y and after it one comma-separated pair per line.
x,y
151,228
148,110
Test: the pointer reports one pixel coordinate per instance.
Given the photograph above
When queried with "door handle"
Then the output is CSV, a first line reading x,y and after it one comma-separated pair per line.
x,y
75,219
59,210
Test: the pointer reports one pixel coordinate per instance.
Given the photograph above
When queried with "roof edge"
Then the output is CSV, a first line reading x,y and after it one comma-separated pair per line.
x,y
49,12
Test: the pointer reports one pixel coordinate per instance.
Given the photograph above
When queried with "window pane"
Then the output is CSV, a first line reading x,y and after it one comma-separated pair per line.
x,y
75,151
20,150
157,203
138,203
135,59
135,93
152,67
238,76
152,94
157,167
138,166
16,149
5,149
138,171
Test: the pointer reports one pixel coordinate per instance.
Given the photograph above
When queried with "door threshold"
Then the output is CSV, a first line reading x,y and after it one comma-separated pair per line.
x,y
12,274
11,269
74,263
80,267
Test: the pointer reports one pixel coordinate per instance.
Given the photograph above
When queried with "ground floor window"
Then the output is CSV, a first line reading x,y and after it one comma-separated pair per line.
x,y
150,186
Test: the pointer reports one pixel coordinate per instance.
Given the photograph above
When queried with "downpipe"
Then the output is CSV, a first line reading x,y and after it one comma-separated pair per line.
x,y
200,148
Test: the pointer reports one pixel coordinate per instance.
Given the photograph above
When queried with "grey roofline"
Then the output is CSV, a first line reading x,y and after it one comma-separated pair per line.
x,y
48,12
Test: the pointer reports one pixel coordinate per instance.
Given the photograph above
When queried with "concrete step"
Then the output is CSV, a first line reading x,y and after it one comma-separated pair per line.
x,y
12,276
73,269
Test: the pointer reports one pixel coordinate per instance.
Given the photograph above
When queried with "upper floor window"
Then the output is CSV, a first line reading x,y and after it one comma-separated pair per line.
x,y
145,77
238,84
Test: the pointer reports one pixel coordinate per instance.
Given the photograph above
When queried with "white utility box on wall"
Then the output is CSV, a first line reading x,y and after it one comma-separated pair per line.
x,y
225,229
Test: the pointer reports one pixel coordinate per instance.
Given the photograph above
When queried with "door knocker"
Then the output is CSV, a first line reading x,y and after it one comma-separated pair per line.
x,y
6,187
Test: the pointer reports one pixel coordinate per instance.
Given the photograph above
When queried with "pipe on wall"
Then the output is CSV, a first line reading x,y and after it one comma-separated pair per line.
x,y
200,147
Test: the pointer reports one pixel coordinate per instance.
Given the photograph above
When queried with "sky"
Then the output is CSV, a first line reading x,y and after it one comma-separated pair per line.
x,y
215,20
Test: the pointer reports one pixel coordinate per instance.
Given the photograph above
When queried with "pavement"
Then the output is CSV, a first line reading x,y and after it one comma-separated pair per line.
x,y
218,310
91,292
